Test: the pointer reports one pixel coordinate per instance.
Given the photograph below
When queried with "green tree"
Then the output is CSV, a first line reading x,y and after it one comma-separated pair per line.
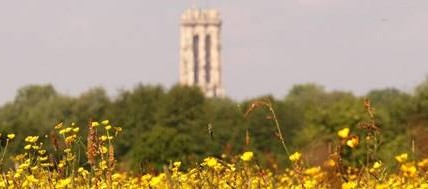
x,y
136,111
35,110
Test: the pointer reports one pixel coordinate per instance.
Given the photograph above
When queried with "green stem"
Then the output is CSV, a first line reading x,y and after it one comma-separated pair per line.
x,y
278,128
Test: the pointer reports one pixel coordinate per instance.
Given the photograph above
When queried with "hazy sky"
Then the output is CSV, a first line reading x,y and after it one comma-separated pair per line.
x,y
268,46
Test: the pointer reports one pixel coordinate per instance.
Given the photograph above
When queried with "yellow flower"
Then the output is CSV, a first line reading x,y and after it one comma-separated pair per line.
x,y
408,169
70,139
11,136
210,161
423,163
63,183
155,181
108,127
104,150
118,129
103,138
344,133
46,164
295,156
105,122
95,124
59,125
330,163
401,158
377,165
32,179
27,147
43,158
103,165
247,156
76,129
310,183
177,164
62,131
31,139
313,170
353,142
68,129
349,185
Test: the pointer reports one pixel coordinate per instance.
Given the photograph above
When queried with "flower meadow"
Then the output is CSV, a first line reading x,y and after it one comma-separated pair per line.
x,y
69,158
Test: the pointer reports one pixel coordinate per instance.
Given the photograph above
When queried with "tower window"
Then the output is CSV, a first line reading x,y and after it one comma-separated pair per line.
x,y
208,58
196,58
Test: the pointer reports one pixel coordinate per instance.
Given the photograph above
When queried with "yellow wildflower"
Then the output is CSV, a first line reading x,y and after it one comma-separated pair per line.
x,y
32,179
31,139
59,125
41,152
76,129
95,124
353,142
408,169
103,138
210,161
402,157
118,129
105,122
295,156
247,156
27,147
377,165
11,136
68,129
349,185
423,163
63,183
313,170
35,147
155,181
330,163
177,164
103,165
104,150
344,133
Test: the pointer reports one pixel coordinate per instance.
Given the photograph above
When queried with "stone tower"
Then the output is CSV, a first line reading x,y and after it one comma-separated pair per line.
x,y
200,60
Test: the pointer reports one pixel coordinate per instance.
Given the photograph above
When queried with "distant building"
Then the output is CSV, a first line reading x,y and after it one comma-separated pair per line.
x,y
200,51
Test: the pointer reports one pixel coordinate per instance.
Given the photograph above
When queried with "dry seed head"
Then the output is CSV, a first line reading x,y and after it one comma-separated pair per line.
x,y
111,159
54,140
251,108
92,144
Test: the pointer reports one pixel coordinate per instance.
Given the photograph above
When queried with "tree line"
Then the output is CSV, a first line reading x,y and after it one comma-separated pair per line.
x,y
160,126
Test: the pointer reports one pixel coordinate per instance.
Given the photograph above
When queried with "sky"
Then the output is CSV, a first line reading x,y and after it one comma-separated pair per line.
x,y
267,46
